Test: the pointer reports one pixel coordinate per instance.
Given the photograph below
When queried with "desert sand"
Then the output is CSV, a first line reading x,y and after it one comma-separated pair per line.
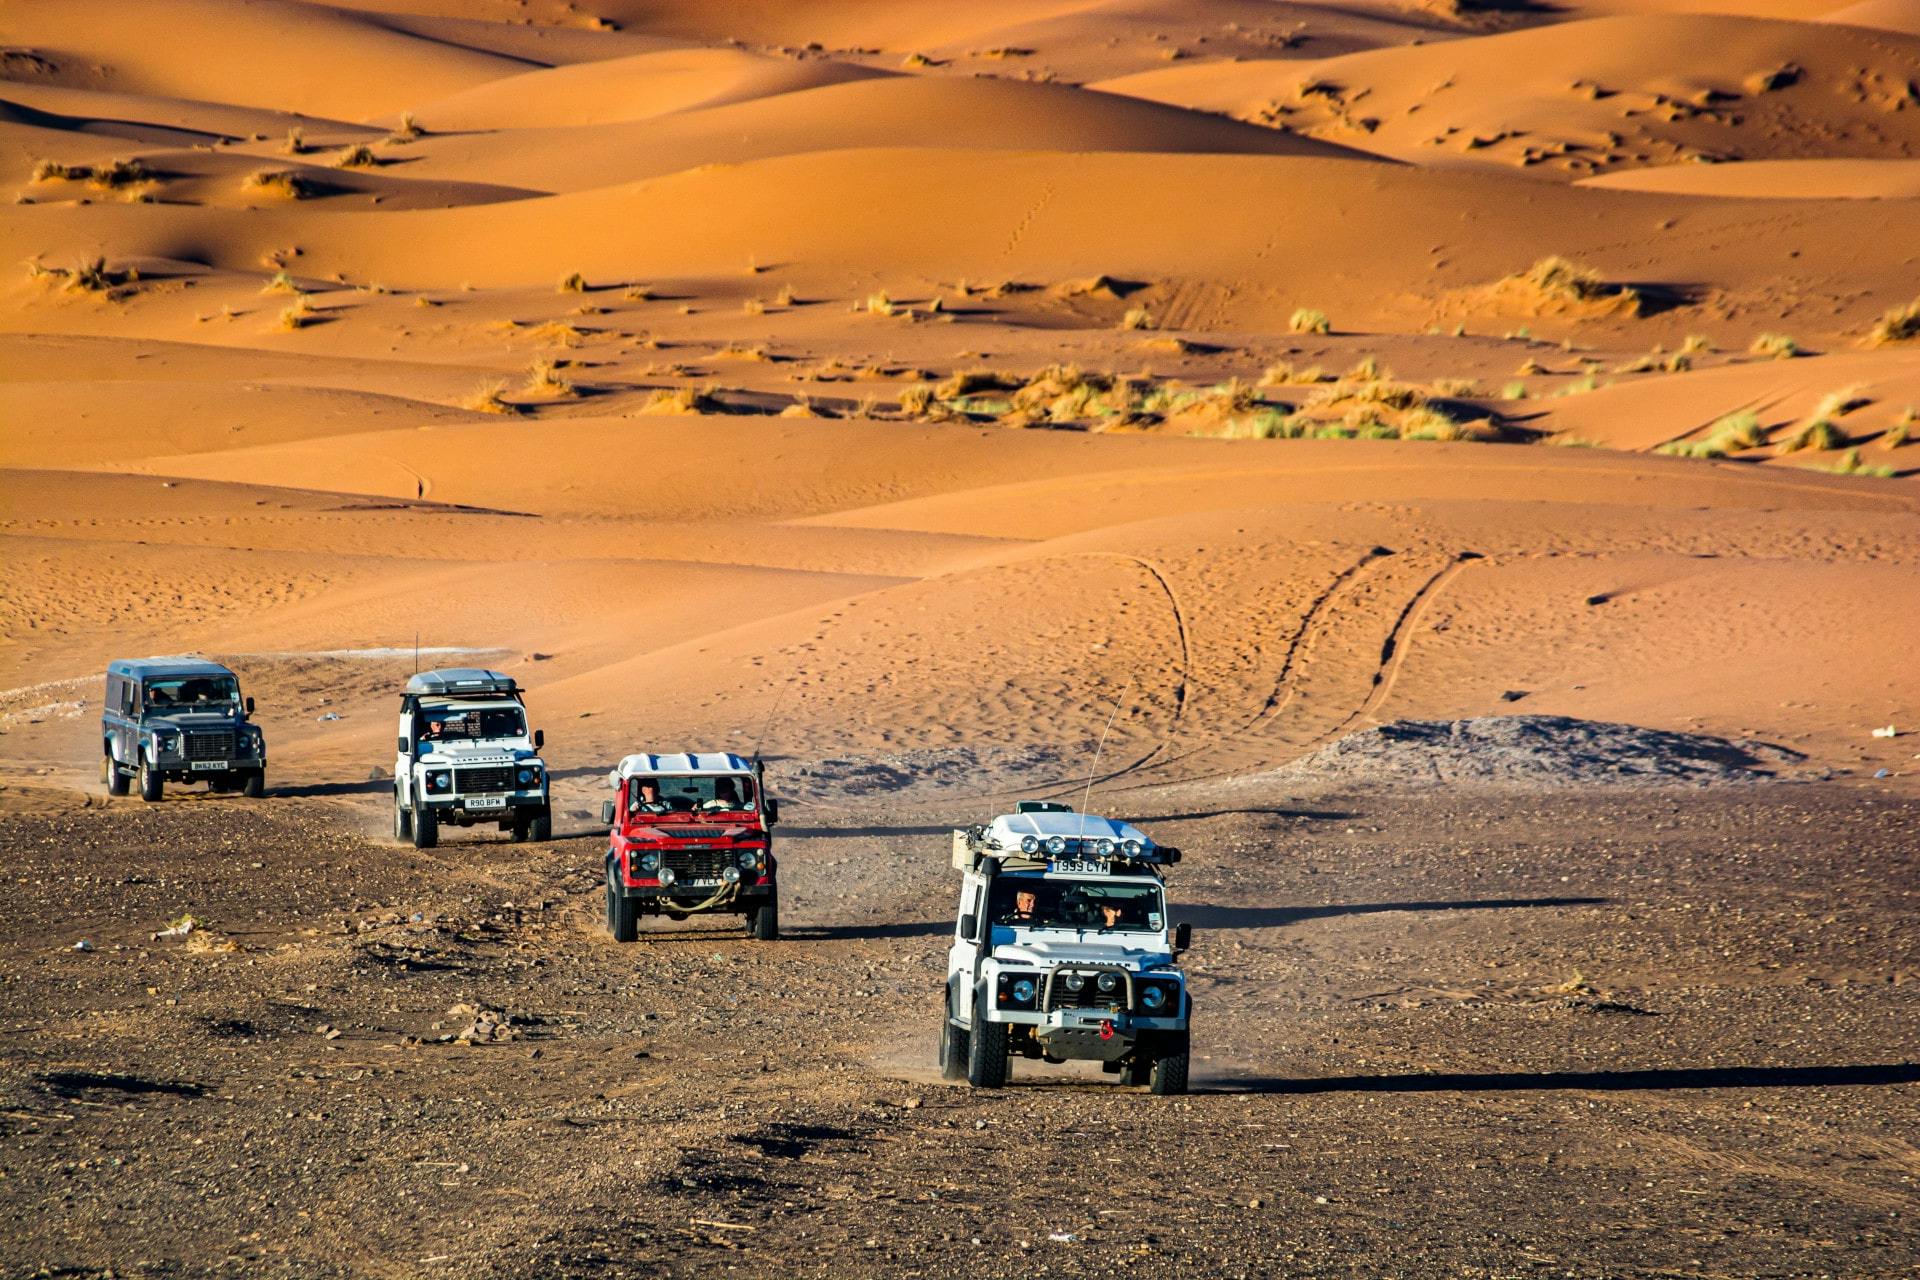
x,y
906,390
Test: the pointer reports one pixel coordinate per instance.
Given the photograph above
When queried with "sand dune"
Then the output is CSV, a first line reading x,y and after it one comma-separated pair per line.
x,y
1579,98
1776,179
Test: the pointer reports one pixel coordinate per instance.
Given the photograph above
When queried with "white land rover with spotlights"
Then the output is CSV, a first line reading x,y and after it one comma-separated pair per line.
x,y
466,757
1063,950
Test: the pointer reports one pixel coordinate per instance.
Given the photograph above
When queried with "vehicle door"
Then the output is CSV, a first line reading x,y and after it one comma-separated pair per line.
x,y
403,756
126,724
964,954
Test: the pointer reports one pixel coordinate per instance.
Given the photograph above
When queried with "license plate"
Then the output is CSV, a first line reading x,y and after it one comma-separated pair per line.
x,y
208,764
486,802
1077,866
700,884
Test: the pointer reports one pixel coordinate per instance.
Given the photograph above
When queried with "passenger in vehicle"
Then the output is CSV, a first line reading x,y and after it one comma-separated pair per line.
x,y
726,798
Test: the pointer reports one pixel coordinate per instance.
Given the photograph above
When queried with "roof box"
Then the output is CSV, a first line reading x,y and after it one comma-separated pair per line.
x,y
462,682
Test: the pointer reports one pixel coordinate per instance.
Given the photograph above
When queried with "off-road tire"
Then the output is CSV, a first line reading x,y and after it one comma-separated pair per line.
x,y
517,831
1139,1071
987,1062
254,783
623,913
402,820
763,921
113,776
953,1049
1169,1075
426,827
540,829
151,783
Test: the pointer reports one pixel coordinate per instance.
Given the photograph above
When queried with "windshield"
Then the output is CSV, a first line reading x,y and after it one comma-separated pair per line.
x,y
1030,902
719,793
193,693
455,724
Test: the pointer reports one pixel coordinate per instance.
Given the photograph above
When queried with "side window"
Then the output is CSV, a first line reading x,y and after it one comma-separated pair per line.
x,y
969,906
129,699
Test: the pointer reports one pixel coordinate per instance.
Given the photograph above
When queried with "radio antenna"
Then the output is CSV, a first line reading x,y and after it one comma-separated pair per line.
x,y
1094,769
772,711
416,651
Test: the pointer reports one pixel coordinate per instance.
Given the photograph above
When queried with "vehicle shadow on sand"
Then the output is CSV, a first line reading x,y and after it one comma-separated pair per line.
x,y
1203,915
1603,1081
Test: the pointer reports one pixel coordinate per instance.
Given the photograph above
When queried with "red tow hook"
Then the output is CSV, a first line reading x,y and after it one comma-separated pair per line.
x,y
1106,1029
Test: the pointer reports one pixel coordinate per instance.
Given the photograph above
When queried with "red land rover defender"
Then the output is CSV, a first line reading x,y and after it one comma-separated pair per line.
x,y
690,834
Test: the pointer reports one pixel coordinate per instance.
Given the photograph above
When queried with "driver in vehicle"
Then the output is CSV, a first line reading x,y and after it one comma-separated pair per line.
x,y
646,798
1111,915
1026,907
726,798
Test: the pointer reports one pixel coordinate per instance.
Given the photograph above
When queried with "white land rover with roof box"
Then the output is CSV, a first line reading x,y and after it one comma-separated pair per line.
x,y
466,757
1063,950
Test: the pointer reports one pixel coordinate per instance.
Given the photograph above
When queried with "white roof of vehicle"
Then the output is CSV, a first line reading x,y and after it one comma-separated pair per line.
x,y
1008,828
679,764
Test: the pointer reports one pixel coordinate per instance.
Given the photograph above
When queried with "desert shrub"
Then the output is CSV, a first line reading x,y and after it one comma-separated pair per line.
x,y
1740,430
55,171
1455,387
1837,404
1851,464
297,316
408,130
753,307
1308,320
572,282
880,304
756,353
545,379
1135,318
557,333
1901,431
296,143
119,173
636,293
1286,375
1695,344
786,296
1775,346
1901,324
281,283
1817,434
1514,391
357,156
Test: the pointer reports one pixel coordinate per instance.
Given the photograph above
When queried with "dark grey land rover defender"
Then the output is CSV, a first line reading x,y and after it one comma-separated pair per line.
x,y
178,720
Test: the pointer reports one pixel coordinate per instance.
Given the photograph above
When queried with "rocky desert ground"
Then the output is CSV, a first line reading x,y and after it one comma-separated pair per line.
x,y
1458,455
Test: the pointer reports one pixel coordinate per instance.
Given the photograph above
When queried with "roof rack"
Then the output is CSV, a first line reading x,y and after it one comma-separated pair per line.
x,y
462,682
1058,839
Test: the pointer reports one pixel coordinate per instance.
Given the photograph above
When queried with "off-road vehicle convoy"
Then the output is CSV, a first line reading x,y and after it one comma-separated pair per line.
x,y
178,720
690,834
465,757
1062,950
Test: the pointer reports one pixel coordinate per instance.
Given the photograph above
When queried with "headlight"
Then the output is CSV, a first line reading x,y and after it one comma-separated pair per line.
x,y
1104,848
1074,981
1131,848
1056,845
1029,844
440,780
1152,997
529,777
666,875
731,875
1023,990
649,862
166,741
749,858
1108,982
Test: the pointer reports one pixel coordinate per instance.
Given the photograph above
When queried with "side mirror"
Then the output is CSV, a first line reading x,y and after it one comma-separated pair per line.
x,y
773,811
969,926
249,706
606,812
1182,937
401,747
539,739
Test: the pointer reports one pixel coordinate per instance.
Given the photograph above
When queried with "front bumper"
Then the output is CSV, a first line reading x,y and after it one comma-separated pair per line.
x,y
1101,1035
174,764
486,808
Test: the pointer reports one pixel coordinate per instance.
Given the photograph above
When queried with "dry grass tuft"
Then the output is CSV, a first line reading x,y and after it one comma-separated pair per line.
x,y
1285,374
786,297
545,379
119,173
489,398
673,400
1901,431
1455,388
408,130
1696,344
55,171
557,333
754,307
298,316
756,353
1555,283
637,293
1851,464
572,283
1774,346
296,143
282,283
1307,320
802,407
357,156
278,182
1137,318
880,304
1901,324
1816,434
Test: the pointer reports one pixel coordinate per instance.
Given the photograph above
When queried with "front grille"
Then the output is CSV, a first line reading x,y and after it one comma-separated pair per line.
x,y
216,744
698,864
1088,997
694,833
483,778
